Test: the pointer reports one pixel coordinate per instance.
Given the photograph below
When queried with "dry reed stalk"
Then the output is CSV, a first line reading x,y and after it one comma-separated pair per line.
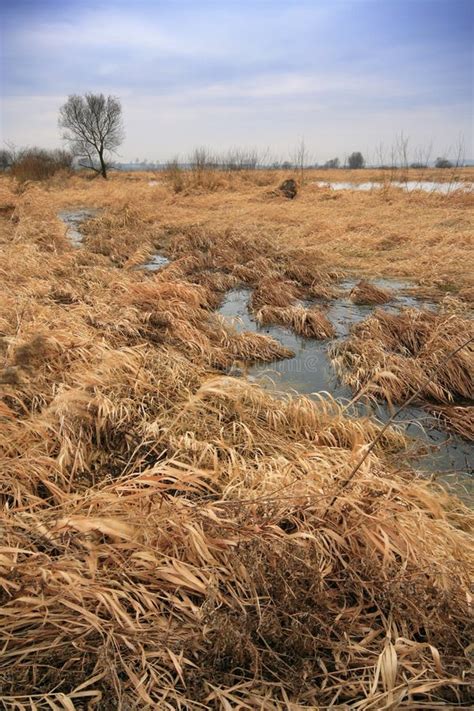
x,y
309,323
458,419
366,293
391,355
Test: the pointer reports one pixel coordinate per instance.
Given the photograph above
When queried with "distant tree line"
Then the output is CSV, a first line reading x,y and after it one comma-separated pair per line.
x,y
92,127
34,163
443,163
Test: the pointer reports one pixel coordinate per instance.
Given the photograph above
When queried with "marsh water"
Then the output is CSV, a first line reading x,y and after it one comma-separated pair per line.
x,y
158,261
73,219
310,372
409,186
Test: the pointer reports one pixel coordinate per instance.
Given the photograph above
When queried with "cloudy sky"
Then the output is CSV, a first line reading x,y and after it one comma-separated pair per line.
x,y
344,74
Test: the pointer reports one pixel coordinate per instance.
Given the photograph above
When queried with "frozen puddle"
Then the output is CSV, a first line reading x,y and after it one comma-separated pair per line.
x,y
310,372
409,186
73,219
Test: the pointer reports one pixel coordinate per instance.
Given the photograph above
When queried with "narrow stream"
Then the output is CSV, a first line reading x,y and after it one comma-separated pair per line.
x,y
73,219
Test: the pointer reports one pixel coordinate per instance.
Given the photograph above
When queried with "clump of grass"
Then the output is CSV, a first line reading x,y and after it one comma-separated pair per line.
x,y
175,176
216,282
275,292
392,356
310,323
456,418
258,347
253,271
366,293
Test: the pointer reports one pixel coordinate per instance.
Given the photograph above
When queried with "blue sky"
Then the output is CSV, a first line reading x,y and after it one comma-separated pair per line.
x,y
344,74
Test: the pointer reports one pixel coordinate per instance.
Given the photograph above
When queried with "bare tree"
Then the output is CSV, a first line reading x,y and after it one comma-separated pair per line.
x,y
6,159
93,128
300,158
401,149
240,159
422,157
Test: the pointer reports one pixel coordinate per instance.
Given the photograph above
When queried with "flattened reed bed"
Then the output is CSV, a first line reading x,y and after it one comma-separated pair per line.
x,y
169,596
456,418
392,355
366,293
306,322
167,534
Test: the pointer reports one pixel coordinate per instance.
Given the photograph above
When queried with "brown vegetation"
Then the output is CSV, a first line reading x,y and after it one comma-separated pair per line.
x,y
310,323
393,356
39,164
176,538
366,293
458,419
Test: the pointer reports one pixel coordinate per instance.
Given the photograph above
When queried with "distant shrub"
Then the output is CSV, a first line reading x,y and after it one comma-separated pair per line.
x,y
418,166
202,160
240,159
331,164
39,164
443,163
356,160
174,174
6,159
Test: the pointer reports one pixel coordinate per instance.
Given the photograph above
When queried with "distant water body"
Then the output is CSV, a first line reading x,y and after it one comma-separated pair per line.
x,y
427,186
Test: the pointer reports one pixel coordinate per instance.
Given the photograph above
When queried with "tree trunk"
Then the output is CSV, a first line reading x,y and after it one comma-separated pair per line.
x,y
103,167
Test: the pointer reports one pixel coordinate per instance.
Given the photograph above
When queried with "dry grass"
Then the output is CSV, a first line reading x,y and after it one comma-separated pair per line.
x,y
392,356
310,323
459,420
366,293
167,539
274,293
